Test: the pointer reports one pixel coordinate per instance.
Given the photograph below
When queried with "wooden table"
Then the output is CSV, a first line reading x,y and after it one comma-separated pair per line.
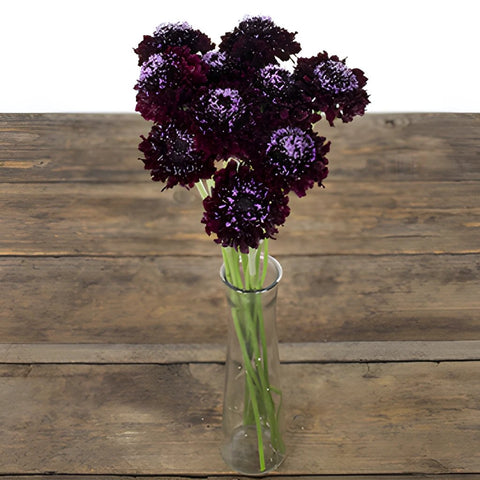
x,y
112,319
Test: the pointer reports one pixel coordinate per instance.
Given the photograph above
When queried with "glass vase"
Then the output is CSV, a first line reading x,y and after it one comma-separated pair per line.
x,y
252,410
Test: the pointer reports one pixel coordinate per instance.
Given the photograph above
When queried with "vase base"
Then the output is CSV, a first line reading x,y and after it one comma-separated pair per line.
x,y
241,452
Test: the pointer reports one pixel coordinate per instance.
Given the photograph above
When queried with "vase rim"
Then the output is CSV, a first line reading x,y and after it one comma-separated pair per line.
x,y
271,261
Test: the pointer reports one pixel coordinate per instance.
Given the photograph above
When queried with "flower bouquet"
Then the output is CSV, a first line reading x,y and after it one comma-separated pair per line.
x,y
235,122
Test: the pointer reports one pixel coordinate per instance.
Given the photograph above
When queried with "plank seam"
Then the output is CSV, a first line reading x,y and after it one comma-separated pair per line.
x,y
290,353
195,255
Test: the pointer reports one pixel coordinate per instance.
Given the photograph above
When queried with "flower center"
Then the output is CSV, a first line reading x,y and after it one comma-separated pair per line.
x,y
244,205
226,107
335,77
275,80
179,151
290,151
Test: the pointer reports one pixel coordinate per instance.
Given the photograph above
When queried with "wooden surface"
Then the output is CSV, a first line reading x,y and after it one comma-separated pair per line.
x,y
107,371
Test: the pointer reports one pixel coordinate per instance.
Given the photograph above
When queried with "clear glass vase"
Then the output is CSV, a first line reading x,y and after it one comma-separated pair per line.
x,y
252,411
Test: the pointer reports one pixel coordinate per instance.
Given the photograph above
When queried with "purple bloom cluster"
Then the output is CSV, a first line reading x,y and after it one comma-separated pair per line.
x,y
333,88
172,157
243,208
240,118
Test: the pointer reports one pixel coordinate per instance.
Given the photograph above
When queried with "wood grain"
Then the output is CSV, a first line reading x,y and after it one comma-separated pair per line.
x,y
238,477
321,298
153,419
177,353
138,219
430,147
107,371
98,147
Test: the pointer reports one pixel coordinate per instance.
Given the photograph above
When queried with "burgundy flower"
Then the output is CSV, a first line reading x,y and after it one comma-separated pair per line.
x,y
237,104
168,82
258,41
154,72
243,209
295,159
335,77
275,82
282,100
221,110
222,68
333,88
172,35
172,157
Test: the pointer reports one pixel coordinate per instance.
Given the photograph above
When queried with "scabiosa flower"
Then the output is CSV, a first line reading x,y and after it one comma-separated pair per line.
x,y
166,35
220,110
295,159
168,81
221,67
237,102
334,88
153,74
335,77
276,83
281,101
258,41
172,157
243,209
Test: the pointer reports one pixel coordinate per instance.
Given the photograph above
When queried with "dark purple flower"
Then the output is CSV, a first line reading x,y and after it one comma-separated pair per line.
x,y
275,82
220,110
237,102
172,157
334,89
221,67
258,41
282,102
243,209
168,82
154,72
295,159
335,77
172,35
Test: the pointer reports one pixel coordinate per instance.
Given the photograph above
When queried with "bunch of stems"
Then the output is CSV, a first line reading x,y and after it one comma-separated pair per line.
x,y
247,273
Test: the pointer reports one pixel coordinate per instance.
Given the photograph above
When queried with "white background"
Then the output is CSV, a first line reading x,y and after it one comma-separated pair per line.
x,y
77,56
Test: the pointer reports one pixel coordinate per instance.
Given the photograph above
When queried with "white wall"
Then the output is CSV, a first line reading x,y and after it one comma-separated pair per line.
x,y
76,56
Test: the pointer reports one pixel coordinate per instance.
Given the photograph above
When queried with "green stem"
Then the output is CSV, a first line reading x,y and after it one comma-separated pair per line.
x,y
247,314
265,261
201,189
249,376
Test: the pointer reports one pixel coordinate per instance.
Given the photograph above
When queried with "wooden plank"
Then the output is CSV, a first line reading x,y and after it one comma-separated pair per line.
x,y
54,476
410,146
311,352
138,219
68,131
116,164
93,147
342,419
331,298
